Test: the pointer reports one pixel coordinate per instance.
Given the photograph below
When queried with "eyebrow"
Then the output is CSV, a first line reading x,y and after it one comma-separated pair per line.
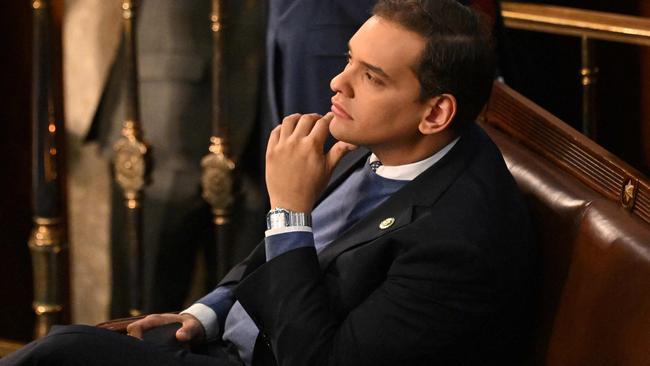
x,y
376,69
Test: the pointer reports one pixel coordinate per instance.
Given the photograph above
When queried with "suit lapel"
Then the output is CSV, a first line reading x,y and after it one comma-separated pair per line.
x,y
422,191
369,228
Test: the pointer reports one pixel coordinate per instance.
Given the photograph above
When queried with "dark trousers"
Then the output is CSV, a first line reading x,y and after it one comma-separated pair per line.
x,y
86,345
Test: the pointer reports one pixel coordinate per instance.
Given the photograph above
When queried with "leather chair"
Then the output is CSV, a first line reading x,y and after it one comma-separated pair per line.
x,y
592,217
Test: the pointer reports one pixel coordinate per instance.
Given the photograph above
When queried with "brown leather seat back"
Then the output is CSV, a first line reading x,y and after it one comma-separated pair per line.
x,y
604,314
594,255
556,203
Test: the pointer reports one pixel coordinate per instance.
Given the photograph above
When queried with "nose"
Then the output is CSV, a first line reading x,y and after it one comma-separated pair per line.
x,y
340,84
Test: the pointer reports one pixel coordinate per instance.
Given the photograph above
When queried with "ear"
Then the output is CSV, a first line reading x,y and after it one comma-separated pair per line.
x,y
440,112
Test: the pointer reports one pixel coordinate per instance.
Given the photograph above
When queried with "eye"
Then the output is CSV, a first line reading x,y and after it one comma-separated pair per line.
x,y
348,57
368,76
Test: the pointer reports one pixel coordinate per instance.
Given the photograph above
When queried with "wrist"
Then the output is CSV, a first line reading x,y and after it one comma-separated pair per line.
x,y
290,205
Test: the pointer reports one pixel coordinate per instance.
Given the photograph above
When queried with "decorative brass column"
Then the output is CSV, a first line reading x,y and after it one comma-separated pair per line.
x,y
47,244
589,79
48,241
217,179
132,159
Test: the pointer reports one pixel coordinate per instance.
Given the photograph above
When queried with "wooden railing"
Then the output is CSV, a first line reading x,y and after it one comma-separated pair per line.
x,y
7,347
48,241
589,25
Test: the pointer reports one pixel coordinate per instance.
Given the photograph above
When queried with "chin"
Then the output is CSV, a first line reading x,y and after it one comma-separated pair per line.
x,y
343,130
338,131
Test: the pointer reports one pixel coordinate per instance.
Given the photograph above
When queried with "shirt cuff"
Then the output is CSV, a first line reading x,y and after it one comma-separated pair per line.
x,y
287,229
207,317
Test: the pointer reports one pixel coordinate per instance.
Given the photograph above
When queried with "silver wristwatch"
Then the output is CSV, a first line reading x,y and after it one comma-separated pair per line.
x,y
281,217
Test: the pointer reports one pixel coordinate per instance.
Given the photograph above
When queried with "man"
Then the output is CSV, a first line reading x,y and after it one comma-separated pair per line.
x,y
424,260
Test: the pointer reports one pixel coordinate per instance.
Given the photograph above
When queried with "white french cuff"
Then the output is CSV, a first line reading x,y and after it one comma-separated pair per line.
x,y
207,317
287,229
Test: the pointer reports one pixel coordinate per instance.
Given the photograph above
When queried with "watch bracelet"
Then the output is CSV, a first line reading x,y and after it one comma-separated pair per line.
x,y
281,217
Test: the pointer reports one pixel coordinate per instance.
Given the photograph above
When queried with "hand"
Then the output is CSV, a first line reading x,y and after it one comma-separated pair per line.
x,y
191,330
297,170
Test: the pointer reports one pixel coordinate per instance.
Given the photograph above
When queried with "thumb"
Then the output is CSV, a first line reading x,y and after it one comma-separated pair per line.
x,y
337,152
187,332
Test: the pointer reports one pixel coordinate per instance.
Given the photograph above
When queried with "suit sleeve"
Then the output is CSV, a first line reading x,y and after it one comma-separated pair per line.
x,y
212,309
406,320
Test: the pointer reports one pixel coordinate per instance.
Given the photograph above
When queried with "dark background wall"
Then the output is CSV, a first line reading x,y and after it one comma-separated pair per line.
x,y
547,71
16,316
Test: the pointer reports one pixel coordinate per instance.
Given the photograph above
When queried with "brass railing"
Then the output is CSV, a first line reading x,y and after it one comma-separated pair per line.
x,y
217,176
589,25
132,159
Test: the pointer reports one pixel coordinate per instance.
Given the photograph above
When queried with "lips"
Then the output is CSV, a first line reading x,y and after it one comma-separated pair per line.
x,y
339,111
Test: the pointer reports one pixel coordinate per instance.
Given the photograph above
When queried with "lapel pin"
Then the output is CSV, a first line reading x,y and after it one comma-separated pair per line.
x,y
387,223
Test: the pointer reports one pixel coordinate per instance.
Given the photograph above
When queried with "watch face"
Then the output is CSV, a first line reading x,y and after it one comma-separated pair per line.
x,y
277,218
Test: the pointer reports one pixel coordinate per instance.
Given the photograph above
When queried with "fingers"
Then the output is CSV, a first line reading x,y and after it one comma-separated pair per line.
x,y
306,124
288,125
274,138
337,152
297,125
191,329
321,129
137,328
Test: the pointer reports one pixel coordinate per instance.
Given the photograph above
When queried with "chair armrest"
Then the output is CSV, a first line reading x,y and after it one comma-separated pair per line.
x,y
119,325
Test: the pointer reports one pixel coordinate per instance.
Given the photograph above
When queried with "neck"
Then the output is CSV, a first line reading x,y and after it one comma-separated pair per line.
x,y
415,151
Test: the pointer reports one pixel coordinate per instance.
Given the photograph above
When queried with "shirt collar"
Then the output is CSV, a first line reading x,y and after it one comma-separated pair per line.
x,y
412,170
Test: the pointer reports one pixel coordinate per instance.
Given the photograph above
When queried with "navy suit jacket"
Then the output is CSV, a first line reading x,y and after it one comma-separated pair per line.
x,y
448,283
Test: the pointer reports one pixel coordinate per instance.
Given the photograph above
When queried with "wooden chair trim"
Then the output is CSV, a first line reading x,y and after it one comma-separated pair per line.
x,y
539,130
119,325
9,346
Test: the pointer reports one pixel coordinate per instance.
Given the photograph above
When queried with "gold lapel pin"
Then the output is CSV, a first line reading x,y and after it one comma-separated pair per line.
x,y
387,223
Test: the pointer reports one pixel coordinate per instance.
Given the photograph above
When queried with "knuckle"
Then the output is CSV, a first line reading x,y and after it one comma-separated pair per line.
x,y
154,318
290,118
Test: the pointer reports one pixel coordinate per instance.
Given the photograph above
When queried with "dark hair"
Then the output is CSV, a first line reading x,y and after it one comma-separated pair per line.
x,y
458,58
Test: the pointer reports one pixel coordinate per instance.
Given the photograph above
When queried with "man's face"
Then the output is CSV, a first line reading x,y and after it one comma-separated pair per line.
x,y
377,101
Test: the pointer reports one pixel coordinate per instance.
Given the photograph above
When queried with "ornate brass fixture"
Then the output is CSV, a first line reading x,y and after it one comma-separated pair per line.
x,y
628,193
217,181
130,164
